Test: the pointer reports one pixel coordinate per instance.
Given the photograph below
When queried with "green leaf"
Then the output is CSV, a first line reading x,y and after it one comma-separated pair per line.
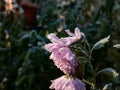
x,y
117,46
4,49
108,71
82,58
26,36
101,43
108,87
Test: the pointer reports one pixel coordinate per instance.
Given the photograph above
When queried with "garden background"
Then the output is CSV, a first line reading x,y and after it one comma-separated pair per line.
x,y
25,64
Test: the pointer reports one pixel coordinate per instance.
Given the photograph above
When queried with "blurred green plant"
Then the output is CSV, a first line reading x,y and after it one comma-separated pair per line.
x,y
92,75
24,65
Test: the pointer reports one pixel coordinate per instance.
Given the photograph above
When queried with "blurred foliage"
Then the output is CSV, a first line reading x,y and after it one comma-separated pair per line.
x,y
25,65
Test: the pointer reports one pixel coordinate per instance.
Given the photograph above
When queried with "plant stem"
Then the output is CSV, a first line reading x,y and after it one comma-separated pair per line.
x,y
90,50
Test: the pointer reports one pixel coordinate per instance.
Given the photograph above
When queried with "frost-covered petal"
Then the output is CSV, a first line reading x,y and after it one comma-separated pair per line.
x,y
57,83
64,60
78,84
73,37
67,83
52,46
69,33
53,38
62,57
78,34
49,47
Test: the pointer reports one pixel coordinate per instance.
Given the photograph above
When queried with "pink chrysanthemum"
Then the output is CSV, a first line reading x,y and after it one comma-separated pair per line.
x,y
67,83
64,59
61,53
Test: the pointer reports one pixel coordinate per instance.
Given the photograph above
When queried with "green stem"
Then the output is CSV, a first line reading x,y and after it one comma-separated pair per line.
x,y
91,66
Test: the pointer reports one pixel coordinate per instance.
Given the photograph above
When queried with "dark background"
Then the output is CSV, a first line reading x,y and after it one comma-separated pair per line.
x,y
25,65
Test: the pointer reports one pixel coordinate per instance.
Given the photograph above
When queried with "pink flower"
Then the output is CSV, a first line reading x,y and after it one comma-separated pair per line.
x,y
66,41
67,83
64,59
73,37
61,53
